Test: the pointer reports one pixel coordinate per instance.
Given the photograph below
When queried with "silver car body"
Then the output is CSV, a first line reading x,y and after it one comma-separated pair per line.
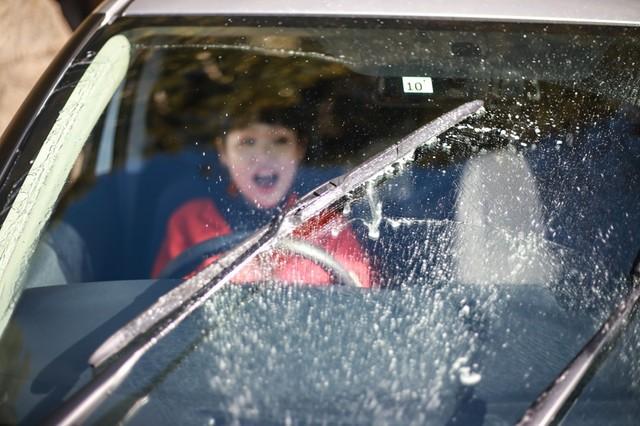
x,y
619,12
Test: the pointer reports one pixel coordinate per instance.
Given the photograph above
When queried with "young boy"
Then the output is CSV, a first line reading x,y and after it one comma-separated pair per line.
x,y
262,156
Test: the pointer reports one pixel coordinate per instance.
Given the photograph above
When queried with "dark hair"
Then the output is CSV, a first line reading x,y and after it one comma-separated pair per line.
x,y
289,117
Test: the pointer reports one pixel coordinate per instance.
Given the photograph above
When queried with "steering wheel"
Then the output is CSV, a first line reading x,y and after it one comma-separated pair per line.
x,y
189,259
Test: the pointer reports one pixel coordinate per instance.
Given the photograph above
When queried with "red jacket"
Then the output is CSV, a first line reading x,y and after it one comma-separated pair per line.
x,y
199,220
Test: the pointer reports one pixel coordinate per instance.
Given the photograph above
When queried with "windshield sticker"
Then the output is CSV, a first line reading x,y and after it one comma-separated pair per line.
x,y
35,200
417,85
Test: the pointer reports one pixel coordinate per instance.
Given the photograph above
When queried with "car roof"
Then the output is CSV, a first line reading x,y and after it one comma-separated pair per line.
x,y
616,12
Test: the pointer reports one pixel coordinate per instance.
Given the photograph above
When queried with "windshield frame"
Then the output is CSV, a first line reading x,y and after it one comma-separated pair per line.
x,y
337,23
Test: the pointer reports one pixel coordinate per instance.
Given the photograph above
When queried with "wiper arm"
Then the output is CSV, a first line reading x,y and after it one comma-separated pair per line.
x,y
138,336
307,207
555,401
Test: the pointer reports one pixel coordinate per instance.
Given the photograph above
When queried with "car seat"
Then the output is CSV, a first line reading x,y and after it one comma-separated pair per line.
x,y
501,232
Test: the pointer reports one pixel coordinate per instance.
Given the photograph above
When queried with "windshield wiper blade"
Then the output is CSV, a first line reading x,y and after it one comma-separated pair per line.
x,y
138,336
307,207
554,402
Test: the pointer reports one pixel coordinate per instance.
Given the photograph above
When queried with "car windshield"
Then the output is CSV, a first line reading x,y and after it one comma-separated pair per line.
x,y
449,288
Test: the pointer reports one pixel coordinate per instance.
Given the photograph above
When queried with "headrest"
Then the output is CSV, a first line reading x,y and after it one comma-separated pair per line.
x,y
501,232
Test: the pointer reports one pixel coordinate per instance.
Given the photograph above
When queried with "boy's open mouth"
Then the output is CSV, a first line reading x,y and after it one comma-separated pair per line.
x,y
265,181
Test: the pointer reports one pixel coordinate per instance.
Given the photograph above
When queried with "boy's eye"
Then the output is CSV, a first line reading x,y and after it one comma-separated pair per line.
x,y
247,141
282,140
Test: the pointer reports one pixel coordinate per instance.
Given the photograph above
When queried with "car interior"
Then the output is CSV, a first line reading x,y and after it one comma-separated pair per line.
x,y
153,147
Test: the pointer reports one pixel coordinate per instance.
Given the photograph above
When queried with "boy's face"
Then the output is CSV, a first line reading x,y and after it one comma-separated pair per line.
x,y
262,160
